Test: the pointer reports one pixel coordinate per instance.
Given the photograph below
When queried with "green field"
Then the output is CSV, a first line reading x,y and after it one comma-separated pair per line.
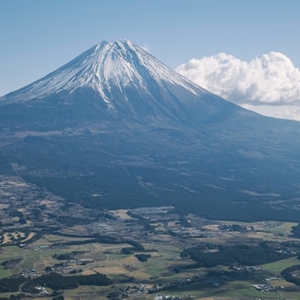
x,y
278,266
108,259
234,289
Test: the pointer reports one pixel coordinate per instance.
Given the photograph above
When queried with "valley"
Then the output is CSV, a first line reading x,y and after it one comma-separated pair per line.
x,y
141,252
120,178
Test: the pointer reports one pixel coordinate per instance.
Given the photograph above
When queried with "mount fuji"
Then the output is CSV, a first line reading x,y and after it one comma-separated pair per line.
x,y
116,128
121,79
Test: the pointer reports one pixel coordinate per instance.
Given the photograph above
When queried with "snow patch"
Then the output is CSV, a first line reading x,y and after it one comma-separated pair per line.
x,y
119,64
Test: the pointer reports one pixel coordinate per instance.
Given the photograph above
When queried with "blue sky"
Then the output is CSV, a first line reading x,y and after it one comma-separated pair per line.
x,y
39,36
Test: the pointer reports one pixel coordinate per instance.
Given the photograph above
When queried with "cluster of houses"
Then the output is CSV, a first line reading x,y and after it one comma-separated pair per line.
x,y
263,287
174,284
168,297
66,267
246,268
31,273
143,289
41,291
122,293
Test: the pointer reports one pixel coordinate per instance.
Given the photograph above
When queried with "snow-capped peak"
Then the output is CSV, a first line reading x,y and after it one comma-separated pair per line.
x,y
107,65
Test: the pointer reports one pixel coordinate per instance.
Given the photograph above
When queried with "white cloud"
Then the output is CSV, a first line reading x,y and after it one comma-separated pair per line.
x,y
269,85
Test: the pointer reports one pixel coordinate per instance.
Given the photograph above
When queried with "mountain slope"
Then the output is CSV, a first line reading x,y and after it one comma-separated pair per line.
x,y
117,123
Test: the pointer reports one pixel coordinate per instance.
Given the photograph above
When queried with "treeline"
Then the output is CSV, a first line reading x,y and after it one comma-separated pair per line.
x,y
99,239
72,221
57,281
143,257
53,281
65,256
296,231
288,276
11,263
229,255
135,247
102,240
11,284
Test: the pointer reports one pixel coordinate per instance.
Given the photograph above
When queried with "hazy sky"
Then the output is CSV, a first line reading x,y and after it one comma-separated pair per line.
x,y
39,36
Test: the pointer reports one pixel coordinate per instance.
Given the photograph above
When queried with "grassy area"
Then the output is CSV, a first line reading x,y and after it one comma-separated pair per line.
x,y
291,295
4,273
156,266
282,228
278,266
161,260
87,293
236,289
275,227
108,259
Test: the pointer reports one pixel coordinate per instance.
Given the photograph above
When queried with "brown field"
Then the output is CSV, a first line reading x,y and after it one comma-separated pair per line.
x,y
212,227
17,184
88,272
281,283
162,238
117,270
6,239
122,214
30,236
17,235
48,203
3,206
171,224
78,229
